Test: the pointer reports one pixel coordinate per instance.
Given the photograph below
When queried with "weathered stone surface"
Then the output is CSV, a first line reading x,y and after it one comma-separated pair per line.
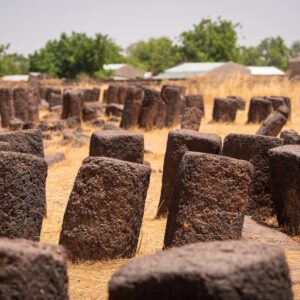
x,y
15,124
90,111
25,141
23,195
209,199
279,102
122,94
105,210
273,124
4,146
21,106
132,108
72,104
259,110
149,108
217,270
172,96
241,103
118,144
254,148
6,106
47,92
160,119
195,101
285,185
224,110
290,137
31,270
114,109
112,94
91,95
33,107
191,118
180,141
54,100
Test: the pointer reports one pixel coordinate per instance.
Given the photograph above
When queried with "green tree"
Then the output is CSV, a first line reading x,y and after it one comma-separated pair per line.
x,y
75,54
154,55
11,64
249,56
274,52
210,41
295,49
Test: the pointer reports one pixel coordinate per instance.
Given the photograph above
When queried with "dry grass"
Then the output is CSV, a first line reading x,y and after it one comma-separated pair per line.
x,y
89,280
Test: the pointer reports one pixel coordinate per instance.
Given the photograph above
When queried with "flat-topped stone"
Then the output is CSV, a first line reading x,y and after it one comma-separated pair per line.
x,y
25,141
217,270
31,270
119,144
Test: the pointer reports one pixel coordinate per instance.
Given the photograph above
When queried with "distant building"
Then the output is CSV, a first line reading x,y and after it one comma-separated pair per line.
x,y
294,68
125,72
187,70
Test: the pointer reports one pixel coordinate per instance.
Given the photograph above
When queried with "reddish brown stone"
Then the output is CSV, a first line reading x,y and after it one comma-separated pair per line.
x,y
254,148
285,185
279,102
180,141
228,270
4,146
259,110
172,96
6,106
90,111
112,94
273,124
149,108
241,103
33,107
72,104
105,210
195,101
191,119
160,118
48,91
25,141
31,270
21,105
290,137
209,199
91,95
224,110
118,144
54,100
114,109
122,94
23,200
132,108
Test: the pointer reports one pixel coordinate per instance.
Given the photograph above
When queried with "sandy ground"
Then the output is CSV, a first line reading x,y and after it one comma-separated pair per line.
x,y
89,280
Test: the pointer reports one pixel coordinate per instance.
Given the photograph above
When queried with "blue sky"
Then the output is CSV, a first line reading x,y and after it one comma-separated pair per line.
x,y
28,24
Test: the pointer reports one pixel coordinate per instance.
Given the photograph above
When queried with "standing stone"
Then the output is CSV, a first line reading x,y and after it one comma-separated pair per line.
x,y
118,144
180,141
21,106
195,101
91,95
254,148
54,100
191,119
172,96
122,94
31,270
285,185
132,108
273,124
209,200
241,103
259,110
224,110
48,91
4,146
228,270
112,94
72,104
33,107
160,118
23,195
90,111
6,106
290,137
114,109
149,108
105,210
278,102
25,141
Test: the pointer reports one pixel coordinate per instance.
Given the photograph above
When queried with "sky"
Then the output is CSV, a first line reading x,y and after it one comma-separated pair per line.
x,y
28,24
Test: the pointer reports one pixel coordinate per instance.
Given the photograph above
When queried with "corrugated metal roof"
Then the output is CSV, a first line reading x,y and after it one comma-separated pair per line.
x,y
265,71
113,67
